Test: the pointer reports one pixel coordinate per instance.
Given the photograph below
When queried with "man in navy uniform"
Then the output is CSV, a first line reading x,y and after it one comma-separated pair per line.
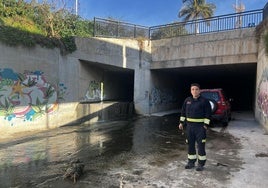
x,y
195,114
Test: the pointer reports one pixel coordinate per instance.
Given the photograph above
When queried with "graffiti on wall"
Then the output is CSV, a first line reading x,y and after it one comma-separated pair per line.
x,y
94,91
262,94
159,96
27,95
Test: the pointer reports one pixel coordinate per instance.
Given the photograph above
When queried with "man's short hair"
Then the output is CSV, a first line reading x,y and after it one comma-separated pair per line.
x,y
195,84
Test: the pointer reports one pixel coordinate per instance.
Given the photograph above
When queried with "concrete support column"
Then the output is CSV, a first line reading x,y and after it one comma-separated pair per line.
x,y
142,82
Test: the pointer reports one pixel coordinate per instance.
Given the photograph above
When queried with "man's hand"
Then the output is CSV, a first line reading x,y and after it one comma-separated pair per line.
x,y
181,126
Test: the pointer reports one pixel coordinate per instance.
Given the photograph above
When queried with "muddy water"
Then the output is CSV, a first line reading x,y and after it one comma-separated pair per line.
x,y
132,153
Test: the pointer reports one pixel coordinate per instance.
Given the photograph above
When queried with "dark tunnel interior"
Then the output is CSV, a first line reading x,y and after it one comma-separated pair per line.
x,y
237,80
118,82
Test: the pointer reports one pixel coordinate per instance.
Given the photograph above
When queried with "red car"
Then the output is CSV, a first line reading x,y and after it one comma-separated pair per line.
x,y
220,105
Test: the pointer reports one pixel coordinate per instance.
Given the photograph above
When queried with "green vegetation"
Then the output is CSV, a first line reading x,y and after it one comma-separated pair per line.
x,y
28,24
169,31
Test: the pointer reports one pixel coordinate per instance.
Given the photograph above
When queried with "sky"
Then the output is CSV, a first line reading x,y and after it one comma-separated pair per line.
x,y
151,12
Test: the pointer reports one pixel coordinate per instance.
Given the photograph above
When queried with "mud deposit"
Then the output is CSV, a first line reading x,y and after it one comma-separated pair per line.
x,y
141,152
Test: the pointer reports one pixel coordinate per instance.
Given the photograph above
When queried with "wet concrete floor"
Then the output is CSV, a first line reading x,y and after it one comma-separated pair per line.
x,y
139,152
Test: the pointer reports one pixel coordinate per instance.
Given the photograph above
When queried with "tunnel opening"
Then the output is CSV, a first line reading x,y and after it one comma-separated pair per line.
x,y
237,80
101,82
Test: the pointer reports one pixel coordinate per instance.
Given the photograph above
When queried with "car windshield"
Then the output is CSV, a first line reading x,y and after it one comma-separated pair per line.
x,y
211,95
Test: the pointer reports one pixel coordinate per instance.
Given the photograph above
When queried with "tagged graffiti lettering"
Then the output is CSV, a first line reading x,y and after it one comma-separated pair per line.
x,y
164,96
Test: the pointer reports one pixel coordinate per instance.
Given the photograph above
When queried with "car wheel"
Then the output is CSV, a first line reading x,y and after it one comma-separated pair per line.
x,y
213,105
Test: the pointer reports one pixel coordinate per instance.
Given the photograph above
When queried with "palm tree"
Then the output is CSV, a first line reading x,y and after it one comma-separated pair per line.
x,y
196,9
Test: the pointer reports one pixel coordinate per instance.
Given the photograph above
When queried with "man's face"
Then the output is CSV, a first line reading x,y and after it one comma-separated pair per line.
x,y
195,91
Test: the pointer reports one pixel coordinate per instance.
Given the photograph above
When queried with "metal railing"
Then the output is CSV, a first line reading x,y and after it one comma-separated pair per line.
x,y
213,24
117,29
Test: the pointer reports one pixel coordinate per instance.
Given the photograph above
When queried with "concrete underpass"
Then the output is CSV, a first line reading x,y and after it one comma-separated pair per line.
x,y
237,80
118,83
107,78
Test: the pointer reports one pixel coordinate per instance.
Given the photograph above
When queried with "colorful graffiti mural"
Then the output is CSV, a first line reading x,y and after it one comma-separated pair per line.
x,y
27,96
262,95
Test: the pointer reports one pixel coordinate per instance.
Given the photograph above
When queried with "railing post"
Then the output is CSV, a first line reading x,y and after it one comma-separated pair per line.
x,y
117,29
94,27
149,33
218,24
135,30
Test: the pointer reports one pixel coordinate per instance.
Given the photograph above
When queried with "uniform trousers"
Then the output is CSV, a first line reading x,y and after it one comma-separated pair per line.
x,y
196,133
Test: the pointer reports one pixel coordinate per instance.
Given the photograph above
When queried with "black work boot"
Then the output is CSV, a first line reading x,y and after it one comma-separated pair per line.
x,y
189,165
199,167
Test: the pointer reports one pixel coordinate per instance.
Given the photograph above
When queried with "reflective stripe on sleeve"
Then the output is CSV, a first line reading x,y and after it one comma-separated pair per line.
x,y
206,121
204,141
182,118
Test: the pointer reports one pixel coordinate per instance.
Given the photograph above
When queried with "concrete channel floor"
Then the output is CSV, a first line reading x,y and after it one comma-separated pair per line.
x,y
253,155
148,152
254,152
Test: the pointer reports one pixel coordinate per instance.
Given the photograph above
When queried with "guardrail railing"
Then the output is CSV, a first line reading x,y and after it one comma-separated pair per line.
x,y
213,24
118,29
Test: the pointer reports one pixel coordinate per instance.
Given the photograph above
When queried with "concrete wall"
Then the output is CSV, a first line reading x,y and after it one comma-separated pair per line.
x,y
261,103
41,89
129,54
163,92
209,49
38,89
223,48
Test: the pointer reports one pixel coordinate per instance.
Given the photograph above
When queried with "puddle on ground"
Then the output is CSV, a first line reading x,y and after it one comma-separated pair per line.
x,y
114,154
261,155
